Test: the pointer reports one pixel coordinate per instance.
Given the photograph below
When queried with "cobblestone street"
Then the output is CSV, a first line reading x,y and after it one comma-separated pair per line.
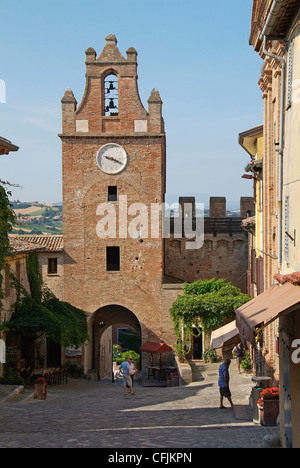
x,y
87,414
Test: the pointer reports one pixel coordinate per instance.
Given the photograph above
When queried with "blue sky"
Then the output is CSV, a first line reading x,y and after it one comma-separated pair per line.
x,y
195,52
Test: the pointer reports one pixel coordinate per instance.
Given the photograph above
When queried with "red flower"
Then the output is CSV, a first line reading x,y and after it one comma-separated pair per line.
x,y
270,394
41,381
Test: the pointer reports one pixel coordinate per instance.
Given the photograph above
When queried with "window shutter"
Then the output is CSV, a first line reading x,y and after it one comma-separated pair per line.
x,y
260,275
248,285
253,266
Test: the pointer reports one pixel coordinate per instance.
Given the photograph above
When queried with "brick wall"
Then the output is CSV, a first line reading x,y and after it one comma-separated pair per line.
x,y
224,253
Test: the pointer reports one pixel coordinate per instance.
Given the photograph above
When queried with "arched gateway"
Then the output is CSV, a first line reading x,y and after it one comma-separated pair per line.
x,y
102,324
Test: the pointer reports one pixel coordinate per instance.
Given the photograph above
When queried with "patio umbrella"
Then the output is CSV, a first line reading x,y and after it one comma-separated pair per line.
x,y
155,348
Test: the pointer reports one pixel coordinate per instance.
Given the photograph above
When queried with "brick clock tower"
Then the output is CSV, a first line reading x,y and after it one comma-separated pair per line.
x,y
113,162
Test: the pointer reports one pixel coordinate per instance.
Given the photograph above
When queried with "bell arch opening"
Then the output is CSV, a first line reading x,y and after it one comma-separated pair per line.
x,y
111,95
112,325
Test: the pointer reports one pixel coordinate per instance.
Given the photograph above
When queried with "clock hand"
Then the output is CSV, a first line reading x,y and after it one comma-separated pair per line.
x,y
113,159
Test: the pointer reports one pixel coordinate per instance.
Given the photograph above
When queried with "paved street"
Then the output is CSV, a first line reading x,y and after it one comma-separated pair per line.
x,y
86,414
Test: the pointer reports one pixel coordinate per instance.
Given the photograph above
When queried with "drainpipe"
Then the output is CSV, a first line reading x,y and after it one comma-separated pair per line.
x,y
264,37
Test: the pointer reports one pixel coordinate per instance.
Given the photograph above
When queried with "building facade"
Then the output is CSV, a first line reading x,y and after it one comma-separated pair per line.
x,y
273,318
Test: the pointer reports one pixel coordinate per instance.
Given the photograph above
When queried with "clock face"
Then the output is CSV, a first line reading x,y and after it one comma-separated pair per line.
x,y
112,158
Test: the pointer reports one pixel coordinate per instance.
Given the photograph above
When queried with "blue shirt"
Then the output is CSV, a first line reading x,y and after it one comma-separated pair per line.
x,y
125,367
223,372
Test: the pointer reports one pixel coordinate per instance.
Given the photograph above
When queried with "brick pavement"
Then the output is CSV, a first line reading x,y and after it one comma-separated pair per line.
x,y
87,414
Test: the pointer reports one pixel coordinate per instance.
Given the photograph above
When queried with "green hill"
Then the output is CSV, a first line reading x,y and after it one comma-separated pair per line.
x,y
37,218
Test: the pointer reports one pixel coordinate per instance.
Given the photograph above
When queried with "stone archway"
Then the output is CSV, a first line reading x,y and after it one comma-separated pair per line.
x,y
102,322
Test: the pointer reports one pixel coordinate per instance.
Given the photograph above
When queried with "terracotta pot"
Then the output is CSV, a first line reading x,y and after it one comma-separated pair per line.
x,y
40,391
260,414
270,412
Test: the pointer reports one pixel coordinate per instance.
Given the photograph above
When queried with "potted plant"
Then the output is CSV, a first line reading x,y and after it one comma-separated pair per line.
x,y
209,355
181,357
246,363
40,389
268,406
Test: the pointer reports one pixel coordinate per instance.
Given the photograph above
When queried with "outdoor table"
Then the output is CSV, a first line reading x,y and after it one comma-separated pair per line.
x,y
39,372
151,371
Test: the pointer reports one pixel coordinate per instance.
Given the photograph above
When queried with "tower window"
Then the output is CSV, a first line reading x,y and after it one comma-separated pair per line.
x,y
111,95
113,258
112,193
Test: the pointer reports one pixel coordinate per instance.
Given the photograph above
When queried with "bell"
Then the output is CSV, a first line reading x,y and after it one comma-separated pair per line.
x,y
111,104
111,86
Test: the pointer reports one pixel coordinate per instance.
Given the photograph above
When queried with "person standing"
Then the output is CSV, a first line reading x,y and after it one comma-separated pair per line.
x,y
132,371
224,383
124,367
237,352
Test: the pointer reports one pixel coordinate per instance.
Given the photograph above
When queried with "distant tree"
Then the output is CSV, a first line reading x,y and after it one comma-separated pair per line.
x,y
35,231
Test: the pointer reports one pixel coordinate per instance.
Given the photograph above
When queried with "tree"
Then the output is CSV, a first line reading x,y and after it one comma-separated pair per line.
x,y
7,219
40,312
204,305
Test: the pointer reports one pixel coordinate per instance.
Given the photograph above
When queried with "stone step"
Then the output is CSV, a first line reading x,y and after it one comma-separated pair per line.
x,y
17,395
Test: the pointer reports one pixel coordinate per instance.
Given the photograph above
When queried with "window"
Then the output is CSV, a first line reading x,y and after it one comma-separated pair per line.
x,y
7,281
52,266
111,95
18,271
121,333
112,193
113,258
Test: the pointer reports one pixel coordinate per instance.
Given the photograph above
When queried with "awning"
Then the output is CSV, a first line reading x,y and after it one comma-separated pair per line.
x,y
151,347
265,308
223,334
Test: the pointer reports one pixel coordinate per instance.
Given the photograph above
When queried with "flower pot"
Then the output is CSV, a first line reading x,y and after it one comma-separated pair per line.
x,y
40,391
270,412
260,414
169,382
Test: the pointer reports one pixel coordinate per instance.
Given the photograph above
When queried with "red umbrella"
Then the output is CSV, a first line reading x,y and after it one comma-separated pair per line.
x,y
158,348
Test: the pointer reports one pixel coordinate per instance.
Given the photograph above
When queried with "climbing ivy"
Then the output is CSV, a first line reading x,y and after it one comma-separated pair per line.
x,y
204,305
40,312
7,219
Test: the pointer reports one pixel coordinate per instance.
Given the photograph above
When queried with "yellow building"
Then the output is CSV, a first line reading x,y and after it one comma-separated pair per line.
x,y
252,142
